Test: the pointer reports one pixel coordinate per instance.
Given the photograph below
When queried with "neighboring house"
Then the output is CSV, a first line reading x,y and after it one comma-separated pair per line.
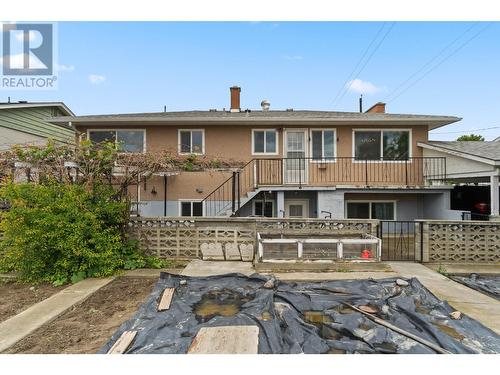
x,y
299,163
471,162
23,123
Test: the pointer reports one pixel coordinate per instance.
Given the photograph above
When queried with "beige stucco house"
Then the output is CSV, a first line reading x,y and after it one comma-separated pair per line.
x,y
297,163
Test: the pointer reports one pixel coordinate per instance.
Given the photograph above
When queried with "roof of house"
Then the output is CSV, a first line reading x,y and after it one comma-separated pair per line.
x,y
468,149
23,104
260,117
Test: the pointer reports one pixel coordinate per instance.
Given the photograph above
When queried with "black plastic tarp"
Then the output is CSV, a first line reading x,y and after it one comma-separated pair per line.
x,y
303,317
487,284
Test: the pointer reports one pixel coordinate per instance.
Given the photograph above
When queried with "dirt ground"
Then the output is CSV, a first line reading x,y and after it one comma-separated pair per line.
x,y
16,297
88,326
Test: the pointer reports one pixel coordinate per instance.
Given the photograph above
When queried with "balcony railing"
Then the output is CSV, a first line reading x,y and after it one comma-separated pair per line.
x,y
322,172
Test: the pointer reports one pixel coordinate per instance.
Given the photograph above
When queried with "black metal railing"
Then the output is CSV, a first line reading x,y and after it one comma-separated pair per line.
x,y
399,240
348,171
416,171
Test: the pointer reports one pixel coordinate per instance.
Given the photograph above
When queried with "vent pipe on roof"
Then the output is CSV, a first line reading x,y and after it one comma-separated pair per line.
x,y
361,103
265,104
235,98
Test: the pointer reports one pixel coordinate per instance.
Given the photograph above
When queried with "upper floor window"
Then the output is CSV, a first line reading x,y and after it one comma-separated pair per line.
x,y
125,140
264,142
192,141
382,144
323,144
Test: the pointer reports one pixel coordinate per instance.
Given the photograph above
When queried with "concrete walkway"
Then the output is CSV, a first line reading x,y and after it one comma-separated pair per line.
x,y
21,325
475,304
466,268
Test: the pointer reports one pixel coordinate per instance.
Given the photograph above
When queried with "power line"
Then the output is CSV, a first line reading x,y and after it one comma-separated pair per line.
x,y
429,62
349,77
345,87
441,62
467,131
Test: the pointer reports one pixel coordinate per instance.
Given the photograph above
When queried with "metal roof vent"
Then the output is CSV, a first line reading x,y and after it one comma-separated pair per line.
x,y
265,104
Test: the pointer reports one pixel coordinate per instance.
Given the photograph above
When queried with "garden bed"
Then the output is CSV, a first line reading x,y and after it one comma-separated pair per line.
x,y
87,326
17,297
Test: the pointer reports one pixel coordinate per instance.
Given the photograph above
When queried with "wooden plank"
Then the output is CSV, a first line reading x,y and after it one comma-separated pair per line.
x,y
166,299
121,345
226,340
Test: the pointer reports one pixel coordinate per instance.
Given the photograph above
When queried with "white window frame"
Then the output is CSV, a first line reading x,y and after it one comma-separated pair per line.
x,y
179,205
381,130
331,159
262,201
144,148
191,137
276,133
370,202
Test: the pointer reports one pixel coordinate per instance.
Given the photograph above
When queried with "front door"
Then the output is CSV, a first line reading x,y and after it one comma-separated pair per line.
x,y
297,208
295,165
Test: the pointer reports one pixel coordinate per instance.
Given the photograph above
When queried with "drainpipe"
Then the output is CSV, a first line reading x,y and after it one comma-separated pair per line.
x,y
164,195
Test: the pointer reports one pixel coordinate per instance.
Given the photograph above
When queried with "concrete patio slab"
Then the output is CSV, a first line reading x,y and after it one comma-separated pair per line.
x,y
21,325
211,268
465,268
473,303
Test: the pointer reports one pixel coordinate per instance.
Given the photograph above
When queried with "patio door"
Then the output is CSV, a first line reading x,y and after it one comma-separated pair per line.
x,y
295,165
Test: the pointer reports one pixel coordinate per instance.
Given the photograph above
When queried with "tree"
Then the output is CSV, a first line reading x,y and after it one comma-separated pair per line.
x,y
470,137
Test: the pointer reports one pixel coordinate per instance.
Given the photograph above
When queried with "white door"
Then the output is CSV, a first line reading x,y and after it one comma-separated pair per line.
x,y
297,208
295,165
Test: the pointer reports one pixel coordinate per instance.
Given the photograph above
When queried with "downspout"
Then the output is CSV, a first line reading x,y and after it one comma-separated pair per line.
x,y
164,195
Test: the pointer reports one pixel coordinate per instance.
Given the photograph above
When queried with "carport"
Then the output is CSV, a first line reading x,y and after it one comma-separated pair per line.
x,y
471,162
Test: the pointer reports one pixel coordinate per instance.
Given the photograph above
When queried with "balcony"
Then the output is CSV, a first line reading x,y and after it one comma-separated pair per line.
x,y
347,172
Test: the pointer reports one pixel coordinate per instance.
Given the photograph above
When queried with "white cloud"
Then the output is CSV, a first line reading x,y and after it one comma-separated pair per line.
x,y
294,57
96,79
67,68
359,86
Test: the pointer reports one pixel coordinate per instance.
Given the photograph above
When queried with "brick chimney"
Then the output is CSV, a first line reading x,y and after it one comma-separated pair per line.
x,y
376,108
235,98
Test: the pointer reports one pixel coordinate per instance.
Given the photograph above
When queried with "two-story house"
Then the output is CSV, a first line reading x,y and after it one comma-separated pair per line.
x,y
297,163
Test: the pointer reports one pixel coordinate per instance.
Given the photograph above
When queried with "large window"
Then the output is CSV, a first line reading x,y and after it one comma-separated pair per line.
x,y
264,142
371,210
125,140
191,142
323,144
191,208
262,208
382,144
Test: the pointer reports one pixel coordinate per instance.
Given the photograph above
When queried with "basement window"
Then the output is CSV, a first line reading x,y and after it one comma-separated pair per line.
x,y
262,208
130,141
371,210
191,208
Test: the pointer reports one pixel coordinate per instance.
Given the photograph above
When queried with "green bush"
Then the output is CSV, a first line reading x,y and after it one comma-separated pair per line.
x,y
63,233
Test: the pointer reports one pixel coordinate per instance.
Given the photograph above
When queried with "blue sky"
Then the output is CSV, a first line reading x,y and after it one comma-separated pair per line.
x,y
113,67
